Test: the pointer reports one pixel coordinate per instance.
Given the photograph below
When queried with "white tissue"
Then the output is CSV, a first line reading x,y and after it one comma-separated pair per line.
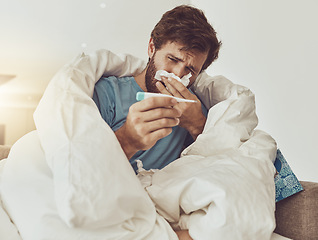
x,y
185,80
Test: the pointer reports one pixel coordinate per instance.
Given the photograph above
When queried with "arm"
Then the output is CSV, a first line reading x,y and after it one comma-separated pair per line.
x,y
147,122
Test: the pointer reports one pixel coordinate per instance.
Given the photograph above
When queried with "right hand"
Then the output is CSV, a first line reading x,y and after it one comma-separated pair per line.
x,y
147,121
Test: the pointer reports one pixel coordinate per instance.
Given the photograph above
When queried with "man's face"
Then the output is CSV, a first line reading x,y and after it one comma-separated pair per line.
x,y
172,58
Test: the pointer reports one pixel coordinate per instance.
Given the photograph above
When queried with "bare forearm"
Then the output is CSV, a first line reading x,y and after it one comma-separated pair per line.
x,y
125,143
196,128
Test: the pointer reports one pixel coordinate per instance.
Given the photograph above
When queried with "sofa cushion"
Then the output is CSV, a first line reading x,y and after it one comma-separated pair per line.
x,y
297,216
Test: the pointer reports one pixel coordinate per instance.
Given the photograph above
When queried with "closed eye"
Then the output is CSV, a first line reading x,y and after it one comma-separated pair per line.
x,y
176,60
173,59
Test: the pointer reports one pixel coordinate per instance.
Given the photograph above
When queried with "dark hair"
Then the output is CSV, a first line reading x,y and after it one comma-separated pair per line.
x,y
188,26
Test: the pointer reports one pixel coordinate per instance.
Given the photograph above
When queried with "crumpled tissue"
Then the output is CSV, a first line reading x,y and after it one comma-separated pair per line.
x,y
185,80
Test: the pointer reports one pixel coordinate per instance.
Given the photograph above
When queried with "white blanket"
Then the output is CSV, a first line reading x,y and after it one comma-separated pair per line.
x,y
76,182
7,230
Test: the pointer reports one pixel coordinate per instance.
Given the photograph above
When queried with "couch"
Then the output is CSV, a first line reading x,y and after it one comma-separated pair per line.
x,y
296,216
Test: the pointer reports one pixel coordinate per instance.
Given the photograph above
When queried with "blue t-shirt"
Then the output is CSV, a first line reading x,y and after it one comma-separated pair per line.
x,y
113,97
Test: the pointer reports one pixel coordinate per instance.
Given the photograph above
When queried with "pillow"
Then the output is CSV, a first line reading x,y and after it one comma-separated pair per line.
x,y
286,182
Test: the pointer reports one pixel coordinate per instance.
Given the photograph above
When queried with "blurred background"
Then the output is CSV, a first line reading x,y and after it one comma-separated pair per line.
x,y
269,46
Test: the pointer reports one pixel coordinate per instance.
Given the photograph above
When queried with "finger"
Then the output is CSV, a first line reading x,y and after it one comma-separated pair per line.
x,y
161,123
162,88
161,133
153,103
178,87
159,113
154,136
172,88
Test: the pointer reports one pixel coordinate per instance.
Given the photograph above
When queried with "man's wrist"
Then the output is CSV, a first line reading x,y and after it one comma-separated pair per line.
x,y
125,143
196,128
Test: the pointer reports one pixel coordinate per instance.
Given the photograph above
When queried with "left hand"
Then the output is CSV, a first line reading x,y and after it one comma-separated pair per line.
x,y
192,117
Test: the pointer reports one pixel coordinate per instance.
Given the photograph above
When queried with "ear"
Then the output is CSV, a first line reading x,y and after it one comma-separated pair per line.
x,y
151,48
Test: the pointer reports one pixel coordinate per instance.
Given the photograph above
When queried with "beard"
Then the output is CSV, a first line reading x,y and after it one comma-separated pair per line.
x,y
150,76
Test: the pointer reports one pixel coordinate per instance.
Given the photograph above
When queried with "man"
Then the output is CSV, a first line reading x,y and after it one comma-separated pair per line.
x,y
156,130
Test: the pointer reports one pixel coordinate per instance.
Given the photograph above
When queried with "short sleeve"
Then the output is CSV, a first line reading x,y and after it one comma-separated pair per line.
x,y
103,99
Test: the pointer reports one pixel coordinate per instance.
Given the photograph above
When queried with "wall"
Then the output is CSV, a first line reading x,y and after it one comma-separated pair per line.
x,y
271,47
39,37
